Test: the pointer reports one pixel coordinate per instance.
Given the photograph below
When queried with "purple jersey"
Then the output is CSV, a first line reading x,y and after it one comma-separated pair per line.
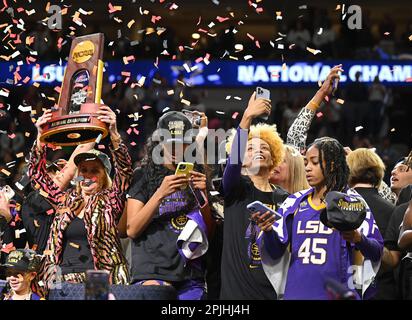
x,y
301,253
317,253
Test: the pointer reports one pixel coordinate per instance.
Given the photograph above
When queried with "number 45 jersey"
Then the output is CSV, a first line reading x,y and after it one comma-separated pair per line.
x,y
316,252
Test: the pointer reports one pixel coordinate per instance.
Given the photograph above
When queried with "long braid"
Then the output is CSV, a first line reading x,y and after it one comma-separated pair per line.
x,y
335,169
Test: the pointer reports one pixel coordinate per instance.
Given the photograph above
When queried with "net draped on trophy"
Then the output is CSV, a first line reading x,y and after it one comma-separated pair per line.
x,y
74,121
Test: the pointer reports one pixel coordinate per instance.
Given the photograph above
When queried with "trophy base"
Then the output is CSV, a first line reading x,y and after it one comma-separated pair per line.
x,y
74,129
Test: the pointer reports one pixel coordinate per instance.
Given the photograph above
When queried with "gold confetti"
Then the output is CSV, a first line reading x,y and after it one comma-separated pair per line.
x,y
43,193
131,22
186,102
74,245
7,173
340,101
20,155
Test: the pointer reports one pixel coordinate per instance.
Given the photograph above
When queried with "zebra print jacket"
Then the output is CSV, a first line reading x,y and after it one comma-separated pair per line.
x,y
101,215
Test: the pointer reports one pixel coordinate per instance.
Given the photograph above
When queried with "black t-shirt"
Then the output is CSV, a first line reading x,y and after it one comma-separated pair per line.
x,y
242,274
382,211
77,256
37,215
391,243
154,251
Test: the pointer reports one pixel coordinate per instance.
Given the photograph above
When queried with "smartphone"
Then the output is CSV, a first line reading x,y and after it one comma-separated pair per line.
x,y
216,183
8,192
184,168
200,197
97,285
264,94
335,85
258,206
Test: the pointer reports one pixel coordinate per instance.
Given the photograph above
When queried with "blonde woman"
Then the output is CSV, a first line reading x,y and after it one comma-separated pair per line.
x,y
366,173
84,231
290,174
254,153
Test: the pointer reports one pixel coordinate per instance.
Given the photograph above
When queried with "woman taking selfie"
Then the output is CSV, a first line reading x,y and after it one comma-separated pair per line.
x,y
84,231
254,153
163,213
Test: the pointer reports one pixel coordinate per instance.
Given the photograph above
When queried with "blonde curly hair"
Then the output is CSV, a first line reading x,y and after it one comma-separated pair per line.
x,y
267,133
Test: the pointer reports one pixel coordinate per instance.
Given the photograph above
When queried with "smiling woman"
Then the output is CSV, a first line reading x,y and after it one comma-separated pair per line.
x,y
84,232
256,150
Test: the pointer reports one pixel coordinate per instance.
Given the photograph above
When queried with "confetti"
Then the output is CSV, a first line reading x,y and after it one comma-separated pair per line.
x,y
20,155
228,97
7,173
146,107
319,114
234,115
170,92
320,31
393,130
74,245
185,102
313,51
220,112
358,128
131,22
340,101
387,33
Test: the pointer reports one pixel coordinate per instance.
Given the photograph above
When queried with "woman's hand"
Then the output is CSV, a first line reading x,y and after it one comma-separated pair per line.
x,y
327,86
203,118
4,207
108,116
352,236
264,221
45,117
255,108
171,184
199,180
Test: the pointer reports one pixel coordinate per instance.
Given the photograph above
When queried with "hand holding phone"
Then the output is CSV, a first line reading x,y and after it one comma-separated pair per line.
x,y
262,93
184,168
258,206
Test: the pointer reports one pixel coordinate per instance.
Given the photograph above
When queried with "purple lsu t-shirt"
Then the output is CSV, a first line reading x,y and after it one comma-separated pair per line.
x,y
317,253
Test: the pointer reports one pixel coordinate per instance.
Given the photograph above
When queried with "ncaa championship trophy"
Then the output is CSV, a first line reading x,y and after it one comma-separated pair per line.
x,y
74,121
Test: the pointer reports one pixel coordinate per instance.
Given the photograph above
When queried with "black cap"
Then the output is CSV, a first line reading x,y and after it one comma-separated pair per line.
x,y
343,212
178,125
94,155
25,260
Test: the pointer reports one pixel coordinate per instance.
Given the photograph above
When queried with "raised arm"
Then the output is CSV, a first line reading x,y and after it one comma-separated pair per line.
x,y
298,131
121,159
37,167
233,168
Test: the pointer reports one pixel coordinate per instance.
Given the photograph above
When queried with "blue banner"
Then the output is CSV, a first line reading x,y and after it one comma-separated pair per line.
x,y
220,73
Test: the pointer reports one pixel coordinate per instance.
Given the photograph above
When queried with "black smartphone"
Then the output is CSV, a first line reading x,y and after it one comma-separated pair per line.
x,y
97,285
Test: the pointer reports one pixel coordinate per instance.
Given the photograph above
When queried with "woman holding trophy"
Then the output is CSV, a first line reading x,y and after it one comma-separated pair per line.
x,y
84,232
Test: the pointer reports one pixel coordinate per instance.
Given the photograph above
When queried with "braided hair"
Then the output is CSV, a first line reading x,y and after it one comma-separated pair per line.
x,y
332,161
